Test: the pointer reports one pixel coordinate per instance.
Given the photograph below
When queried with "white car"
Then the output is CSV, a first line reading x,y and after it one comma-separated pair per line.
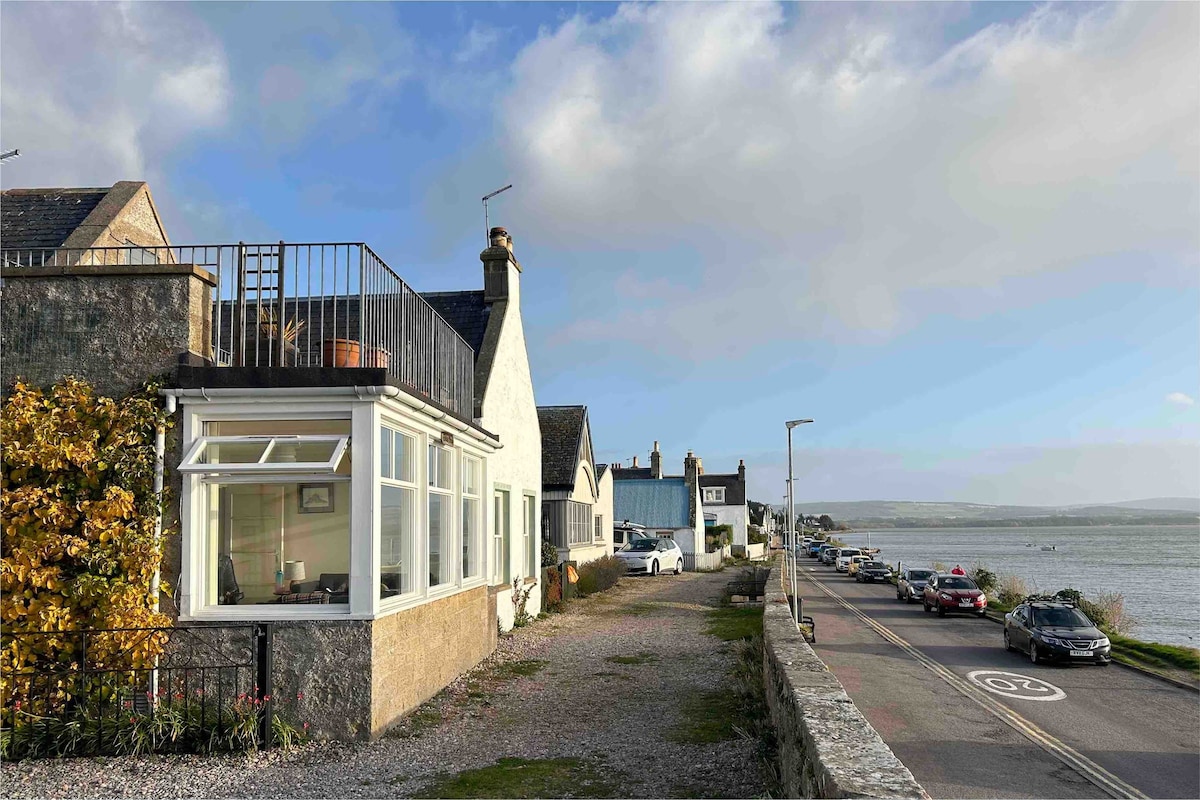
x,y
843,559
652,556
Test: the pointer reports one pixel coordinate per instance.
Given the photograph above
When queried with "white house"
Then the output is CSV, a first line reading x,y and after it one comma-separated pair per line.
x,y
504,404
666,505
577,505
724,497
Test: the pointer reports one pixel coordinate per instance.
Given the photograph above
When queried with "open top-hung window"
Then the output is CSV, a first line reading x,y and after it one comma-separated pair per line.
x,y
276,511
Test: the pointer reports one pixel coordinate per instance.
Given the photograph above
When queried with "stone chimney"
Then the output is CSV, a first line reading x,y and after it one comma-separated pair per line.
x,y
742,470
692,470
655,462
635,464
501,270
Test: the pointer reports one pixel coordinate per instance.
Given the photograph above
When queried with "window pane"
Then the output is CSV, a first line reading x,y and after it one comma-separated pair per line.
x,y
440,461
501,532
470,537
441,531
285,452
533,562
252,529
234,452
278,427
396,541
385,452
470,476
404,447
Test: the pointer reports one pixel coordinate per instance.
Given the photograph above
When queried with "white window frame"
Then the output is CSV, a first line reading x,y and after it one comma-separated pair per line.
x,y
501,534
479,544
714,494
598,526
533,542
451,543
419,576
191,461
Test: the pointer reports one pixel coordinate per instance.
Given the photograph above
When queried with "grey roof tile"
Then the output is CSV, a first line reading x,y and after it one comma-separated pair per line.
x,y
562,430
735,489
35,219
465,311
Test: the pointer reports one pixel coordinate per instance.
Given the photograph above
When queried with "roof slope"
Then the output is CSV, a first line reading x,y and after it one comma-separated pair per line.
x,y
631,474
735,488
465,311
655,504
562,432
35,219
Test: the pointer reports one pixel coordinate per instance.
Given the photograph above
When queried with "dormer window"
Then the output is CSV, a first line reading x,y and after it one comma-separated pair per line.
x,y
714,494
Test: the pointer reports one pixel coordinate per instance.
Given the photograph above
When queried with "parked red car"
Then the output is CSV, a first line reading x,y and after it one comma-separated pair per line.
x,y
956,593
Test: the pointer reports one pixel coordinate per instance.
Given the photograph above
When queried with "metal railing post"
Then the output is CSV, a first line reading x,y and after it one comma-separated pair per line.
x,y
263,636
280,294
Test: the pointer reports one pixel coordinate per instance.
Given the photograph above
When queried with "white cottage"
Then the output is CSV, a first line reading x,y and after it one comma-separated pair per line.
x,y
577,504
491,322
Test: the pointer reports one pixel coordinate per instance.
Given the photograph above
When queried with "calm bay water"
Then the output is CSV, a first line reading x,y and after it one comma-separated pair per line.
x,y
1156,567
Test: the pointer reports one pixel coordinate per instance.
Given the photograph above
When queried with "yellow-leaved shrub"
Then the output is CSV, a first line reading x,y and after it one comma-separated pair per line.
x,y
79,548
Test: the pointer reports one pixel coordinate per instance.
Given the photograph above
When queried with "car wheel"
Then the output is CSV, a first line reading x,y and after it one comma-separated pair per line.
x,y
679,567
908,598
926,606
654,568
1034,656
1007,644
899,596
941,610
1104,663
981,614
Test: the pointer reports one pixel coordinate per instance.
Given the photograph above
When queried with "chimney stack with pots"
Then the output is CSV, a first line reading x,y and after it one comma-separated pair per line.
x,y
655,462
742,470
501,270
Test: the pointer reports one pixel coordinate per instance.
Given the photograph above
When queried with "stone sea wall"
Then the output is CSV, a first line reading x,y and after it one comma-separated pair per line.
x,y
826,746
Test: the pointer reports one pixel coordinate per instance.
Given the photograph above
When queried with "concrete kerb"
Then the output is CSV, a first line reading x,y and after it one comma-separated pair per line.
x,y
826,746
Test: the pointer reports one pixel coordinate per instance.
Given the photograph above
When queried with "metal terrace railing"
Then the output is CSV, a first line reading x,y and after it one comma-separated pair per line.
x,y
307,305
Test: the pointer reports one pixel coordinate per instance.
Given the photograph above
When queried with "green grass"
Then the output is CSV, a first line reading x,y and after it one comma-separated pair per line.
x,y
637,658
708,717
1153,654
519,777
732,624
518,669
636,610
416,723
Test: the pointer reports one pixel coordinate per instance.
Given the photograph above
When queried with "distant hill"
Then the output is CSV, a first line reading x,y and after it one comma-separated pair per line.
x,y
909,513
1164,504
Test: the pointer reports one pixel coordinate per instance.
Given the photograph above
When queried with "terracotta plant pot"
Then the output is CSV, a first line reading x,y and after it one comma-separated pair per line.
x,y
340,352
376,357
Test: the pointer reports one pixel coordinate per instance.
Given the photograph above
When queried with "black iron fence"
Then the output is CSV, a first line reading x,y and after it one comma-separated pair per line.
x,y
88,691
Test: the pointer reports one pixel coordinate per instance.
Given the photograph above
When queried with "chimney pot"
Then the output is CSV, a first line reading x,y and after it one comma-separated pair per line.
x,y
656,445
635,462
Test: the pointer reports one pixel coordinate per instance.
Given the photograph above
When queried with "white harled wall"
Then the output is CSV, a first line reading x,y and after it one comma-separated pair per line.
x,y
510,411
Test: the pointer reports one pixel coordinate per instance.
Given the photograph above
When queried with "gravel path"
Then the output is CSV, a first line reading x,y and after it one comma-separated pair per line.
x,y
618,718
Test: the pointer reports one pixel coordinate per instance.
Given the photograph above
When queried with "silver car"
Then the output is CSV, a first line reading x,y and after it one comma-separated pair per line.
x,y
910,584
652,556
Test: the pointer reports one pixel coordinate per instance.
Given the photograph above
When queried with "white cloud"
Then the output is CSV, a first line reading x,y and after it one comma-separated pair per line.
x,y
1181,399
93,94
821,162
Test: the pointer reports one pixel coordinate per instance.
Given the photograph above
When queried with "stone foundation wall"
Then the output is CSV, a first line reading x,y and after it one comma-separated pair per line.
x,y
417,652
826,746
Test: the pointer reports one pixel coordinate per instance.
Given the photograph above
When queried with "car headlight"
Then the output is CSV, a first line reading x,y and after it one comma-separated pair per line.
x,y
945,596
1052,640
1104,642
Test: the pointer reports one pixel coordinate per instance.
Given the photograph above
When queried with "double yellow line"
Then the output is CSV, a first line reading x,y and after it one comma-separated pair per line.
x,y
1096,774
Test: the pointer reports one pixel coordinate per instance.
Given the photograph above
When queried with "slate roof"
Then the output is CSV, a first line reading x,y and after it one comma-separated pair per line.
x,y
465,311
562,430
631,474
600,470
655,503
735,489
34,219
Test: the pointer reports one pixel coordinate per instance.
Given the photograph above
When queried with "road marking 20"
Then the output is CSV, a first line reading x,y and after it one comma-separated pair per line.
x,y
1010,684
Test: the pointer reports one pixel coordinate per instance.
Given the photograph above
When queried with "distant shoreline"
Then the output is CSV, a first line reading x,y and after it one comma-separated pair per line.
x,y
1031,522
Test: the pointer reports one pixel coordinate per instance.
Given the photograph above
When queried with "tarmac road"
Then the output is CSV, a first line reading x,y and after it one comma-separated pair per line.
x,y
1038,731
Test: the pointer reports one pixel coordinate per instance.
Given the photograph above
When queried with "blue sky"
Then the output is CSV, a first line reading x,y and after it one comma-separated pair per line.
x,y
963,238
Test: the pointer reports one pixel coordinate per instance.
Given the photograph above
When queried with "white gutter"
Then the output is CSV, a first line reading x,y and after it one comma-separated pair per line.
x,y
360,392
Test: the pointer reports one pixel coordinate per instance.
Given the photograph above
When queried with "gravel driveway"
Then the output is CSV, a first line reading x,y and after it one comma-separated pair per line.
x,y
607,683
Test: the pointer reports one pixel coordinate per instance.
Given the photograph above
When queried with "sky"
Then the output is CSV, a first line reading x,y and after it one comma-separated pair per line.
x,y
964,239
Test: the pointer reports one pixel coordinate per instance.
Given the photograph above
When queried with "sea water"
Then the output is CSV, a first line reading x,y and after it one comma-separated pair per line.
x,y
1156,567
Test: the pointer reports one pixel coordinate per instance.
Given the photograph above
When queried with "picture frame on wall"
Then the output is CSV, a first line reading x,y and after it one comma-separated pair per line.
x,y
316,498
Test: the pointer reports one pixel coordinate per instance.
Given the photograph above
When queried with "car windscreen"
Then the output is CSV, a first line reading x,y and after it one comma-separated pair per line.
x,y
919,574
643,544
872,565
849,552
956,583
1060,618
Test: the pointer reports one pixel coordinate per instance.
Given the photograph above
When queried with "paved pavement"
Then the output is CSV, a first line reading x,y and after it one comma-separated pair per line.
x,y
1113,732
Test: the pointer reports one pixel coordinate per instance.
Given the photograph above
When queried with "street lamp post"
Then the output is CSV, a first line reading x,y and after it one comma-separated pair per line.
x,y
791,520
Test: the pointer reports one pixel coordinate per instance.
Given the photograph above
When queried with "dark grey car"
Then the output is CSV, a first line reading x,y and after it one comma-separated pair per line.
x,y
910,584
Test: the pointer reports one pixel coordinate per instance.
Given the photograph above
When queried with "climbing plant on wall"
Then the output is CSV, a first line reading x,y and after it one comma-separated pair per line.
x,y
79,511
